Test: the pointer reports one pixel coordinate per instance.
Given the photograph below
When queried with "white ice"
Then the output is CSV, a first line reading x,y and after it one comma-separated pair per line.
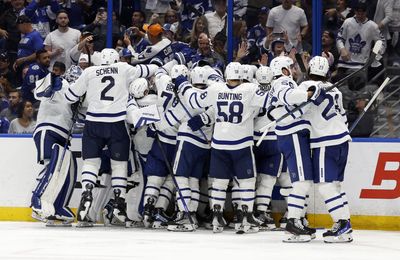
x,y
26,240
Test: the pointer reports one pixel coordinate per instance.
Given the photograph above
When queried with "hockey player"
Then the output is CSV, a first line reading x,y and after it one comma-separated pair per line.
x,y
231,146
159,187
51,196
269,160
329,139
105,125
193,153
293,142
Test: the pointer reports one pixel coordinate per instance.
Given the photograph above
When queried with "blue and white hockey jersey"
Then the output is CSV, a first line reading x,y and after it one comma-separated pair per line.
x,y
283,97
34,73
235,108
328,119
159,54
106,89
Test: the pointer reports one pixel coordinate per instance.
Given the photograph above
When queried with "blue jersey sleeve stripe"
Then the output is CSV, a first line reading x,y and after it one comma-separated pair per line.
x,y
70,100
196,138
75,95
328,138
173,115
168,121
233,142
301,122
52,125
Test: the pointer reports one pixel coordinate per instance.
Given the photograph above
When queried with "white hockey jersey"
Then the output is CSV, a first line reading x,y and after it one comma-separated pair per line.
x,y
328,119
283,97
106,89
55,113
235,108
159,53
166,99
260,121
142,142
357,38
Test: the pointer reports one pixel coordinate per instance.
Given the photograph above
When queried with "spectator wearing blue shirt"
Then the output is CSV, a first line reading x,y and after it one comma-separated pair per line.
x,y
257,33
30,42
36,71
4,125
42,13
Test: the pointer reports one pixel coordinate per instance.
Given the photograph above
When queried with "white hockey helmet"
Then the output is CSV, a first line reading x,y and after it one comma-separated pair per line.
x,y
319,66
264,75
234,71
139,88
109,56
278,63
248,72
198,76
178,70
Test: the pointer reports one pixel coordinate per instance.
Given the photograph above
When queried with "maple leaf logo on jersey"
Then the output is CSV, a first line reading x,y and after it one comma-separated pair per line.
x,y
356,44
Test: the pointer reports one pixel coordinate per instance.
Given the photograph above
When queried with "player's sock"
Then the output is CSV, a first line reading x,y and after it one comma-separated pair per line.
x,y
195,194
183,184
333,200
265,184
297,198
119,177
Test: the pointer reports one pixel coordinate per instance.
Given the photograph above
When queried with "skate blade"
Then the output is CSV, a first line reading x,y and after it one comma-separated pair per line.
x,y
268,227
147,222
181,228
218,229
84,224
59,223
208,226
117,218
159,225
35,215
247,230
297,239
344,238
134,224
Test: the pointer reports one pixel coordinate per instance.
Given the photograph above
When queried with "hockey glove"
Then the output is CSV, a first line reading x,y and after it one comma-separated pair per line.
x,y
318,95
197,122
179,81
151,132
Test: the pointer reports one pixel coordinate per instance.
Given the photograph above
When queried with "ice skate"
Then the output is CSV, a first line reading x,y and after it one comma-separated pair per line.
x,y
265,220
119,209
84,206
160,219
181,223
249,224
298,233
340,232
64,217
305,223
237,217
218,221
148,212
108,213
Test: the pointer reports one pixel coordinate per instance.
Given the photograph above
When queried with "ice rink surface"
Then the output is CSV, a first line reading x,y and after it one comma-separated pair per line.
x,y
26,240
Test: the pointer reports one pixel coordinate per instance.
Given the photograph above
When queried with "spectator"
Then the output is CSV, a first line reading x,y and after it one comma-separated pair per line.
x,y
3,98
217,19
85,46
5,85
60,41
14,98
30,42
36,71
257,33
290,19
136,34
200,25
336,16
365,126
329,49
171,17
58,68
24,123
383,16
394,30
207,54
240,9
99,29
276,44
4,125
160,50
239,33
9,29
354,41
218,44
124,9
169,31
77,11
42,13
5,71
190,11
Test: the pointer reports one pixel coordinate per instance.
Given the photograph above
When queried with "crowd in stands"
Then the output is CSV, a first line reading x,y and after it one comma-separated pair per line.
x,y
42,36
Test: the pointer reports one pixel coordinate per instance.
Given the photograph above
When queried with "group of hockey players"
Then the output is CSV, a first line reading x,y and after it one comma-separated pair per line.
x,y
191,135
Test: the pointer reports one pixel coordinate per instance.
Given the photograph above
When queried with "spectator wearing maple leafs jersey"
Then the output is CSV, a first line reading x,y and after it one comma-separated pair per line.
x,y
355,39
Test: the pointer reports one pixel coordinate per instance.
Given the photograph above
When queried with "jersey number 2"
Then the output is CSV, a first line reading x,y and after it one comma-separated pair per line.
x,y
107,88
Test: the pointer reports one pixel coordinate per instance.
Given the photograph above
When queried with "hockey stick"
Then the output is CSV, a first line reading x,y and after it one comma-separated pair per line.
x,y
371,59
378,91
174,180
302,66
